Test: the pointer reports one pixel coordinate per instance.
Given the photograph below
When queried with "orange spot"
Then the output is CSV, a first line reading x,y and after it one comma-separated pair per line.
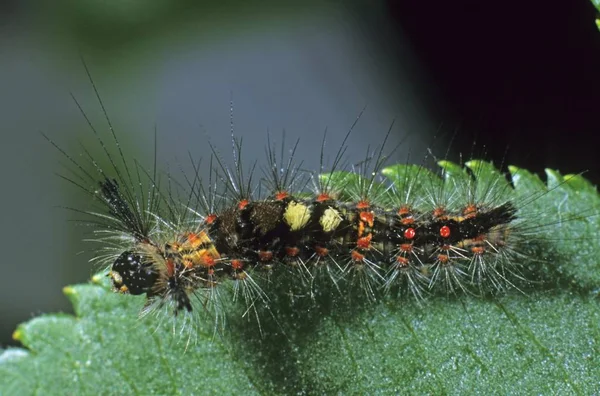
x,y
445,247
281,195
479,238
237,264
406,247
361,228
410,233
443,258
367,217
188,263
470,211
477,250
292,251
357,256
210,218
402,261
265,255
445,231
203,257
363,204
404,210
242,204
439,212
196,240
321,251
323,197
407,220
208,260
364,242
170,267
123,289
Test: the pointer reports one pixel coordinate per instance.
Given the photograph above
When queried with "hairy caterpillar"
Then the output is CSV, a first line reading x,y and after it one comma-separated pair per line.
x,y
177,244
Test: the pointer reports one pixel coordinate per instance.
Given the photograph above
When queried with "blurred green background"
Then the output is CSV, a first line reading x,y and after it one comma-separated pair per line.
x,y
299,65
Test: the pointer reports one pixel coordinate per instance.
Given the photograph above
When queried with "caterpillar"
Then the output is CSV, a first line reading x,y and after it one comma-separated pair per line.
x,y
385,229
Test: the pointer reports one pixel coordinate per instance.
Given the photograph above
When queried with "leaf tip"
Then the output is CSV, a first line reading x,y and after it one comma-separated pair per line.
x,y
97,279
388,171
69,291
17,335
444,163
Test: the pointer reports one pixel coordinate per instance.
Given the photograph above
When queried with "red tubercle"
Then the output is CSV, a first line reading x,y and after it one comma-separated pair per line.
x,y
321,251
281,195
192,237
208,260
242,204
211,218
367,217
410,233
407,220
323,197
292,251
478,250
363,204
444,231
357,256
403,211
237,264
265,255
406,247
170,267
443,258
402,261
439,212
470,211
364,242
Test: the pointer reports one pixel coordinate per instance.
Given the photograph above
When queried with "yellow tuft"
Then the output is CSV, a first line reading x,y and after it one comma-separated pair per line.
x,y
330,220
296,215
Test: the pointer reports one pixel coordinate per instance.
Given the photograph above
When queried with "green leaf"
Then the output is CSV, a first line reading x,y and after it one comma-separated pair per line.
x,y
544,340
106,349
596,3
538,344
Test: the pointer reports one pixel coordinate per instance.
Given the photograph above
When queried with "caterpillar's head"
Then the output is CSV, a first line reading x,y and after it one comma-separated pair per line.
x,y
129,274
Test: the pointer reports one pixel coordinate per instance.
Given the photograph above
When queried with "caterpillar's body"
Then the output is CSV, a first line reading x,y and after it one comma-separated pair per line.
x,y
437,247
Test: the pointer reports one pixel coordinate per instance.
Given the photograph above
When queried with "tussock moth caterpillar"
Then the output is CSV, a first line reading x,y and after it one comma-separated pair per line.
x,y
381,230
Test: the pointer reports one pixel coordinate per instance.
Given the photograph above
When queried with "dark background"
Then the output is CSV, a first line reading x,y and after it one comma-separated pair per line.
x,y
520,79
517,74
